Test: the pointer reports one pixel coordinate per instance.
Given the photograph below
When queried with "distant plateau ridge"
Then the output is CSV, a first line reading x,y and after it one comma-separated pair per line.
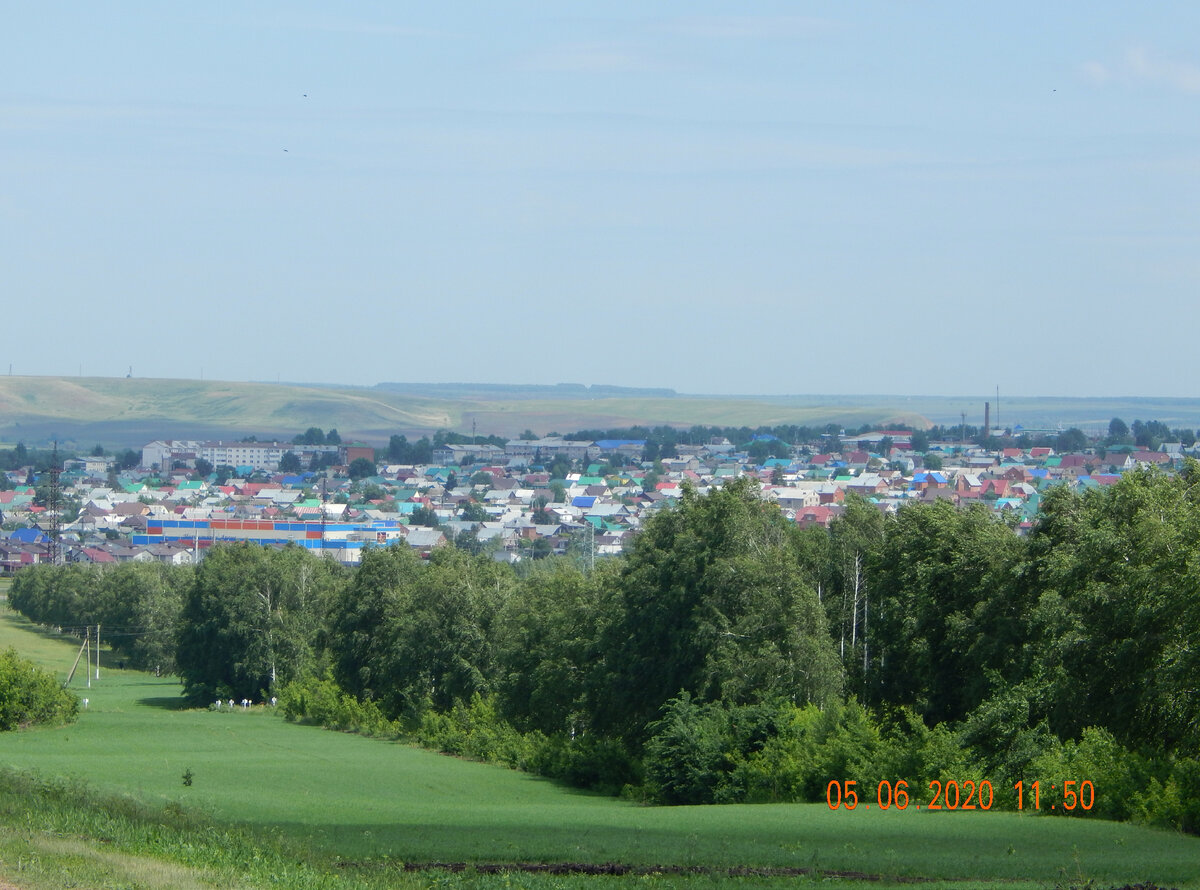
x,y
127,412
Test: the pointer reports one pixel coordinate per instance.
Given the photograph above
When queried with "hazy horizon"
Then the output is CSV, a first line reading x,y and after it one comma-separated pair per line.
x,y
831,198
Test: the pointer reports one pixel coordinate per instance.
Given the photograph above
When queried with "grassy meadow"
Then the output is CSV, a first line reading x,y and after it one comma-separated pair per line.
x,y
301,799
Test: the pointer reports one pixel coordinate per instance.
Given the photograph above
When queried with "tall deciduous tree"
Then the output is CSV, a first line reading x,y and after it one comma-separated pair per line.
x,y
548,635
1118,639
714,602
944,617
140,604
361,468
404,633
251,620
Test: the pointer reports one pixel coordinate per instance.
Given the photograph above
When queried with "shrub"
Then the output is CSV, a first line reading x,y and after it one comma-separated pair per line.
x,y
716,753
687,758
586,761
321,701
1119,777
31,696
912,751
1175,802
784,768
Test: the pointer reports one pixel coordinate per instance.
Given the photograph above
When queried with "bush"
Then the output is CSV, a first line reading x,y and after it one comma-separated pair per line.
x,y
1004,740
1119,777
912,751
30,696
475,730
716,753
784,768
321,701
1186,776
688,756
586,761
1175,802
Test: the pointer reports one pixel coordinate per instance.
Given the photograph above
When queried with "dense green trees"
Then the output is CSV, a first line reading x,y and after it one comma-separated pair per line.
x,y
549,631
401,451
840,560
314,435
57,595
251,620
363,619
139,607
1073,439
729,655
137,603
1117,628
944,620
361,468
409,635
714,602
1118,432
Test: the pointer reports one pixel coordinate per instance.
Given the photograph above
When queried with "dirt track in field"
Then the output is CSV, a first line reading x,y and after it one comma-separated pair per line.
x,y
615,868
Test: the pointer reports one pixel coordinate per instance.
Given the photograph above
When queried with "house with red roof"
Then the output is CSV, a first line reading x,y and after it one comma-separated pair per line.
x,y
821,515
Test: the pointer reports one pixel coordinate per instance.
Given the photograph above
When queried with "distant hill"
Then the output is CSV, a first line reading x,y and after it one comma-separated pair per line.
x,y
128,412
521,391
124,411
115,411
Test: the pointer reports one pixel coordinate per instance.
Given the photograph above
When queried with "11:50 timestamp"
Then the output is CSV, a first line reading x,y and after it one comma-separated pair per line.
x,y
965,795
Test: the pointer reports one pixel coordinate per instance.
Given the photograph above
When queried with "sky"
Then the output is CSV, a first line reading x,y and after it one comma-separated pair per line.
x,y
755,198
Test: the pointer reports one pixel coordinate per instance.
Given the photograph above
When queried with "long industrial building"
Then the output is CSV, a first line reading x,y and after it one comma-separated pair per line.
x,y
342,540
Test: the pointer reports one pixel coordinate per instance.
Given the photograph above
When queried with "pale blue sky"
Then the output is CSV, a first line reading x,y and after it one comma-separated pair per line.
x,y
928,198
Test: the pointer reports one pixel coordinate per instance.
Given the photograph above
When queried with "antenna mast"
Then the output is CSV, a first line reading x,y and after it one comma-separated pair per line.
x,y
52,506
324,502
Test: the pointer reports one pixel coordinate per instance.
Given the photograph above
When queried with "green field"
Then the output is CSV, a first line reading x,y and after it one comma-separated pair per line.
x,y
372,801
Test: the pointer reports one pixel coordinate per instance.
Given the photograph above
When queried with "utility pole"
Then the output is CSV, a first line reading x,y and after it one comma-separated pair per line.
x,y
97,651
78,656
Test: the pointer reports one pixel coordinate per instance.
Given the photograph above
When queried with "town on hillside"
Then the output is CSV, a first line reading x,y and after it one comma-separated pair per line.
x,y
525,498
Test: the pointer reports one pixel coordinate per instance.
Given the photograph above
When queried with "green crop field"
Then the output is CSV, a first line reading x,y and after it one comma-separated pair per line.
x,y
373,802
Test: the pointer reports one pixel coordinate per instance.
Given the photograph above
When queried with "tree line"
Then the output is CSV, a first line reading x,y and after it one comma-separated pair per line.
x,y
728,655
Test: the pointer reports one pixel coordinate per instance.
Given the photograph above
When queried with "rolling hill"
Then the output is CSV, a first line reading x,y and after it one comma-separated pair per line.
x,y
82,411
128,412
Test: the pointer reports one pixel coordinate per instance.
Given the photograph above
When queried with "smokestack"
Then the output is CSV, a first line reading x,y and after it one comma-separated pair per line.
x,y
987,418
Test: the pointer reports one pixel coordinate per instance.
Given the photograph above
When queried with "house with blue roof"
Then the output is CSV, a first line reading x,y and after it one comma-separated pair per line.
x,y
29,536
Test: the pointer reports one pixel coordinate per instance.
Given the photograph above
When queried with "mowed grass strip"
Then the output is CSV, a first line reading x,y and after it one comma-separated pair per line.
x,y
364,799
